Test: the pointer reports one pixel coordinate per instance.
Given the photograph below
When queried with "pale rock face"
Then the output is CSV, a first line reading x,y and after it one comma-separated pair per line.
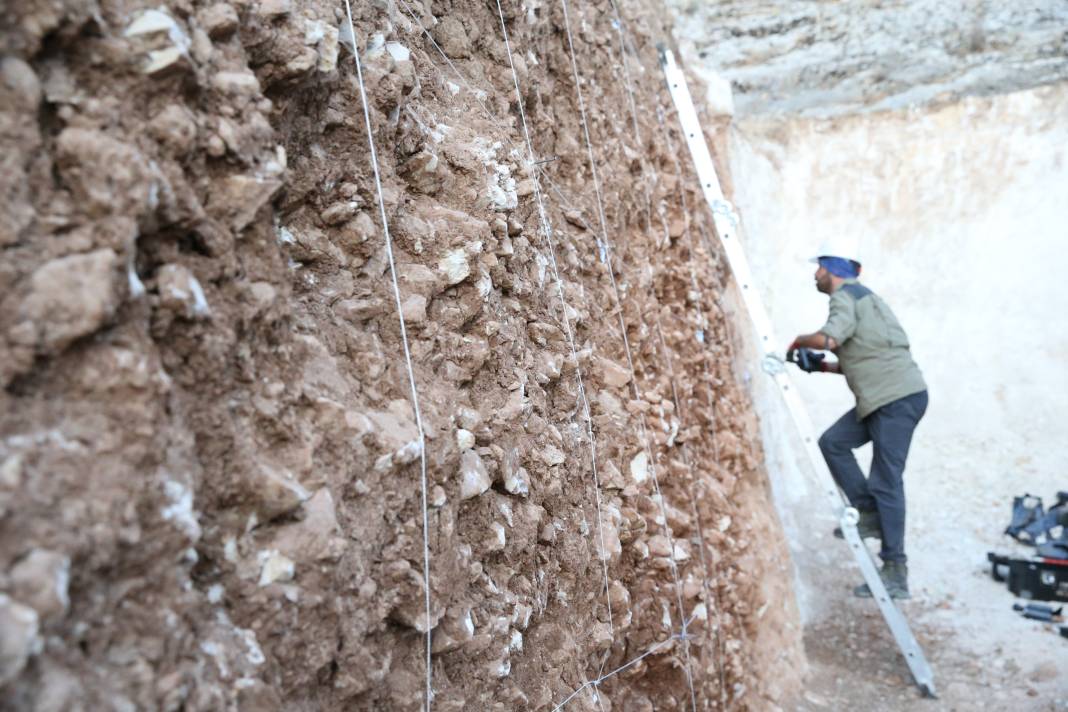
x,y
474,480
822,59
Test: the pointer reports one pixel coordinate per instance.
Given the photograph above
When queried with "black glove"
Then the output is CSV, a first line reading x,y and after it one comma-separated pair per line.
x,y
807,360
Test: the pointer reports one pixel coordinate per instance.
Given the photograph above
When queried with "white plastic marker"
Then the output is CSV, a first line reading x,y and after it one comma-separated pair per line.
x,y
407,349
727,227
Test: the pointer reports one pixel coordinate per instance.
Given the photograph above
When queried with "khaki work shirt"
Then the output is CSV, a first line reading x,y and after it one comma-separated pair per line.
x,y
873,350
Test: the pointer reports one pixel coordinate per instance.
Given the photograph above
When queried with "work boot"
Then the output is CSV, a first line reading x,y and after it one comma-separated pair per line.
x,y
868,526
895,576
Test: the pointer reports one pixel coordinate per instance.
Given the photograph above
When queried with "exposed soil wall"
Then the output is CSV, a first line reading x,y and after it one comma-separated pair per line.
x,y
209,468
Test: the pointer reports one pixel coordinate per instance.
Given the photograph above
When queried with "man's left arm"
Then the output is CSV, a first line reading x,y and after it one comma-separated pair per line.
x,y
819,341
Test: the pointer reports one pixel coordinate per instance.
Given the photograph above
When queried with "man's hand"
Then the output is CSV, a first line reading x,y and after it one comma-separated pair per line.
x,y
807,360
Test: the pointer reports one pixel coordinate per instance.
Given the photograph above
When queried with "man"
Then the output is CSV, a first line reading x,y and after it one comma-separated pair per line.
x,y
873,354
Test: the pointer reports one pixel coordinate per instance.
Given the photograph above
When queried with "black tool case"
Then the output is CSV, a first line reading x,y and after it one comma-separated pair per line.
x,y
1037,579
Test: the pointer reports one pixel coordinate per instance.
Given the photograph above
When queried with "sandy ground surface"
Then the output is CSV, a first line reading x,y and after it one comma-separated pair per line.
x,y
984,655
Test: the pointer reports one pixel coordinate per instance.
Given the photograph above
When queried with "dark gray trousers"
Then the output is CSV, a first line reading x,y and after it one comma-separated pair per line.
x,y
889,429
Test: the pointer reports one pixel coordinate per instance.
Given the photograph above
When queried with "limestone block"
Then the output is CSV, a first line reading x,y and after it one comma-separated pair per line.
x,y
18,637
41,580
474,480
70,297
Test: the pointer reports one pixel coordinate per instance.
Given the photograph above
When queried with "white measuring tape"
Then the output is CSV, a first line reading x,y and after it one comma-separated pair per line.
x,y
727,228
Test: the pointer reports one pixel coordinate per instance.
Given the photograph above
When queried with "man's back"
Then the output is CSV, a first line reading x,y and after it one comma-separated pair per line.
x,y
873,349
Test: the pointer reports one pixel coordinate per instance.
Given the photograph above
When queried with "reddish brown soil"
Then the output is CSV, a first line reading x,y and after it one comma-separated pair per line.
x,y
228,477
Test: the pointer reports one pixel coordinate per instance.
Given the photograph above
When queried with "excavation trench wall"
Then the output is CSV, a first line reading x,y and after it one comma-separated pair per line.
x,y
210,484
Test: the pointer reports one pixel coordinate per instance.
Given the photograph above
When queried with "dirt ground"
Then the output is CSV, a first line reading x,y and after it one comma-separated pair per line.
x,y
984,655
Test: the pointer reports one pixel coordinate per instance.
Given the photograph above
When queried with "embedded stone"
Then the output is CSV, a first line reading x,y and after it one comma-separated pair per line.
x,y
474,479
180,292
274,568
414,309
613,373
70,297
465,439
340,212
659,545
639,468
41,580
19,639
455,266
218,20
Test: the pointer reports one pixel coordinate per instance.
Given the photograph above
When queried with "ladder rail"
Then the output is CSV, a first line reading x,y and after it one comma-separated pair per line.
x,y
728,230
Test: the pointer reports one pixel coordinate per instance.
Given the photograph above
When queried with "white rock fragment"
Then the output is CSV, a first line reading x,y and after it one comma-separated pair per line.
x,y
314,32
517,481
180,291
19,639
408,453
328,50
484,285
152,22
180,510
639,468
376,44
254,654
474,480
455,266
41,580
133,281
159,60
215,593
551,455
398,52
501,186
499,538
167,51
274,567
465,439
